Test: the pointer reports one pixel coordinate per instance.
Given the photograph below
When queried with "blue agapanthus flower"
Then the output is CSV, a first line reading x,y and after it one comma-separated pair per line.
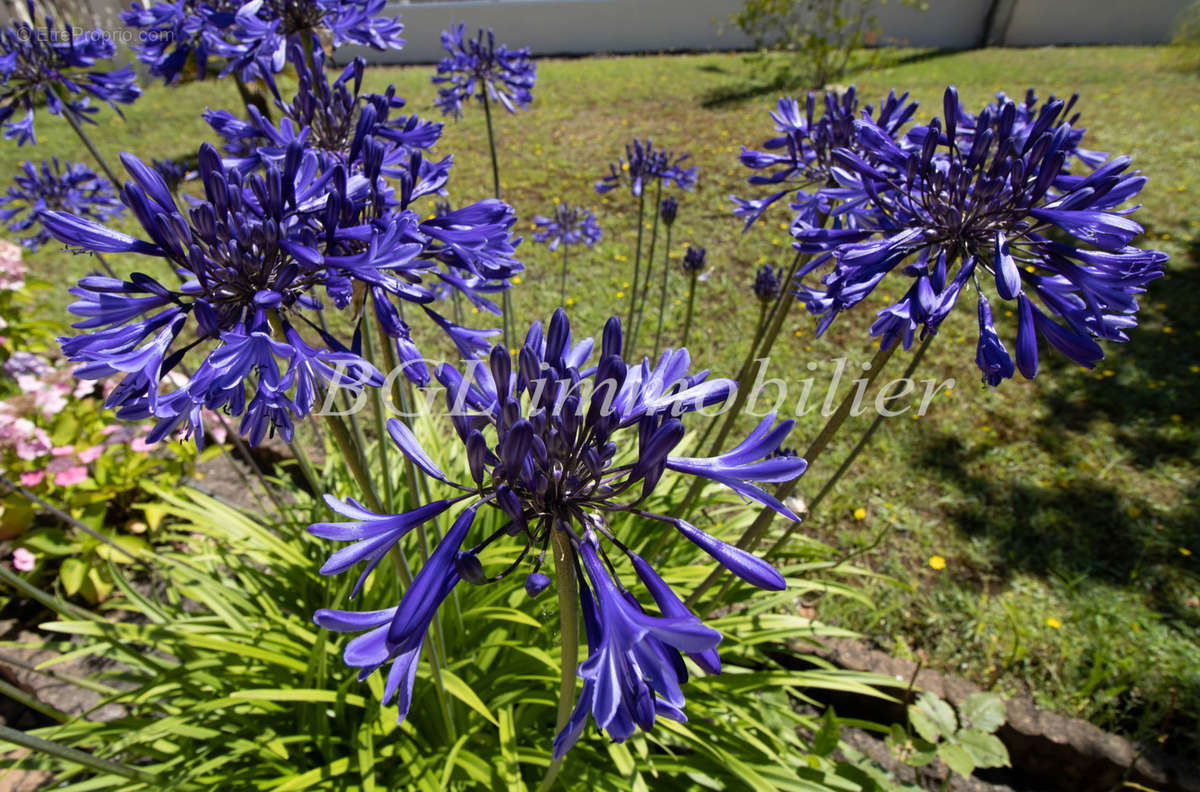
x,y
334,120
263,30
559,447
66,186
643,164
800,159
181,36
45,65
569,226
477,66
767,283
261,256
997,210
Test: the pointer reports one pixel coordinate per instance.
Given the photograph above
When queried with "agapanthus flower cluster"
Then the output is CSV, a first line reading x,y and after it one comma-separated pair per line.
x,y
66,187
264,29
560,447
800,158
176,34
477,67
995,208
569,226
45,65
767,283
335,120
643,164
260,256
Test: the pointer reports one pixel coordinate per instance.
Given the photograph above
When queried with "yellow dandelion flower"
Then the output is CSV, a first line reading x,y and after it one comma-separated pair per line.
x,y
620,294
1183,551
937,562
860,513
1053,623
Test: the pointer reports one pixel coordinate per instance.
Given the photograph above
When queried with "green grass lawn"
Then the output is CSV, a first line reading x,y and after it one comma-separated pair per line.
x,y
1066,509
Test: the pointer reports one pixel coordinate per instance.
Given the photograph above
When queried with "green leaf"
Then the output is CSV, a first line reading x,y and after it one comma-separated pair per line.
x,y
983,712
923,725
461,691
986,750
957,759
940,713
72,573
825,740
133,545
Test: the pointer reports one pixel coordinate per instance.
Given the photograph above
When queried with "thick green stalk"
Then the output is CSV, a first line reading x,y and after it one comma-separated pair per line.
x,y
381,435
828,486
562,288
641,292
637,273
568,617
687,320
112,177
354,461
662,295
506,298
305,465
758,529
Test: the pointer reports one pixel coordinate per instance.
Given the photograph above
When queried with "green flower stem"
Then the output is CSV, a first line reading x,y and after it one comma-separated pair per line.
x,y
562,289
687,321
637,273
568,617
381,435
641,292
849,460
758,529
249,99
760,347
506,310
354,461
662,294
87,141
305,465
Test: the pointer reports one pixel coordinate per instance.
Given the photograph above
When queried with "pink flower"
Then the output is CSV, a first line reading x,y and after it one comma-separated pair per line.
x,y
140,445
84,388
32,478
23,560
110,429
62,450
34,441
71,476
12,272
89,455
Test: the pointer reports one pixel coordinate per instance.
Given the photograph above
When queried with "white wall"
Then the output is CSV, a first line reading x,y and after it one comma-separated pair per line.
x,y
557,27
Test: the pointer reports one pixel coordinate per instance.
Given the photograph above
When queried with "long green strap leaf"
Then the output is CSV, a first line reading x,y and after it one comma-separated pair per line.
x,y
71,755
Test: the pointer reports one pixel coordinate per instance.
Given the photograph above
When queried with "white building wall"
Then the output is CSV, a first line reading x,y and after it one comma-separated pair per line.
x,y
578,27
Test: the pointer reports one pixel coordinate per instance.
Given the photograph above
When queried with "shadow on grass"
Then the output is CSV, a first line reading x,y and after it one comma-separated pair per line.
x,y
746,88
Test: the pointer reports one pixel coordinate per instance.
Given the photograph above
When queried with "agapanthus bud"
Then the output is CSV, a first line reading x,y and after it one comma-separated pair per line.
x,y
693,259
670,207
767,283
536,583
469,569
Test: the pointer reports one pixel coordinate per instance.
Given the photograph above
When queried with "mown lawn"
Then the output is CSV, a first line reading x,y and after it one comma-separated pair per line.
x,y
1066,509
